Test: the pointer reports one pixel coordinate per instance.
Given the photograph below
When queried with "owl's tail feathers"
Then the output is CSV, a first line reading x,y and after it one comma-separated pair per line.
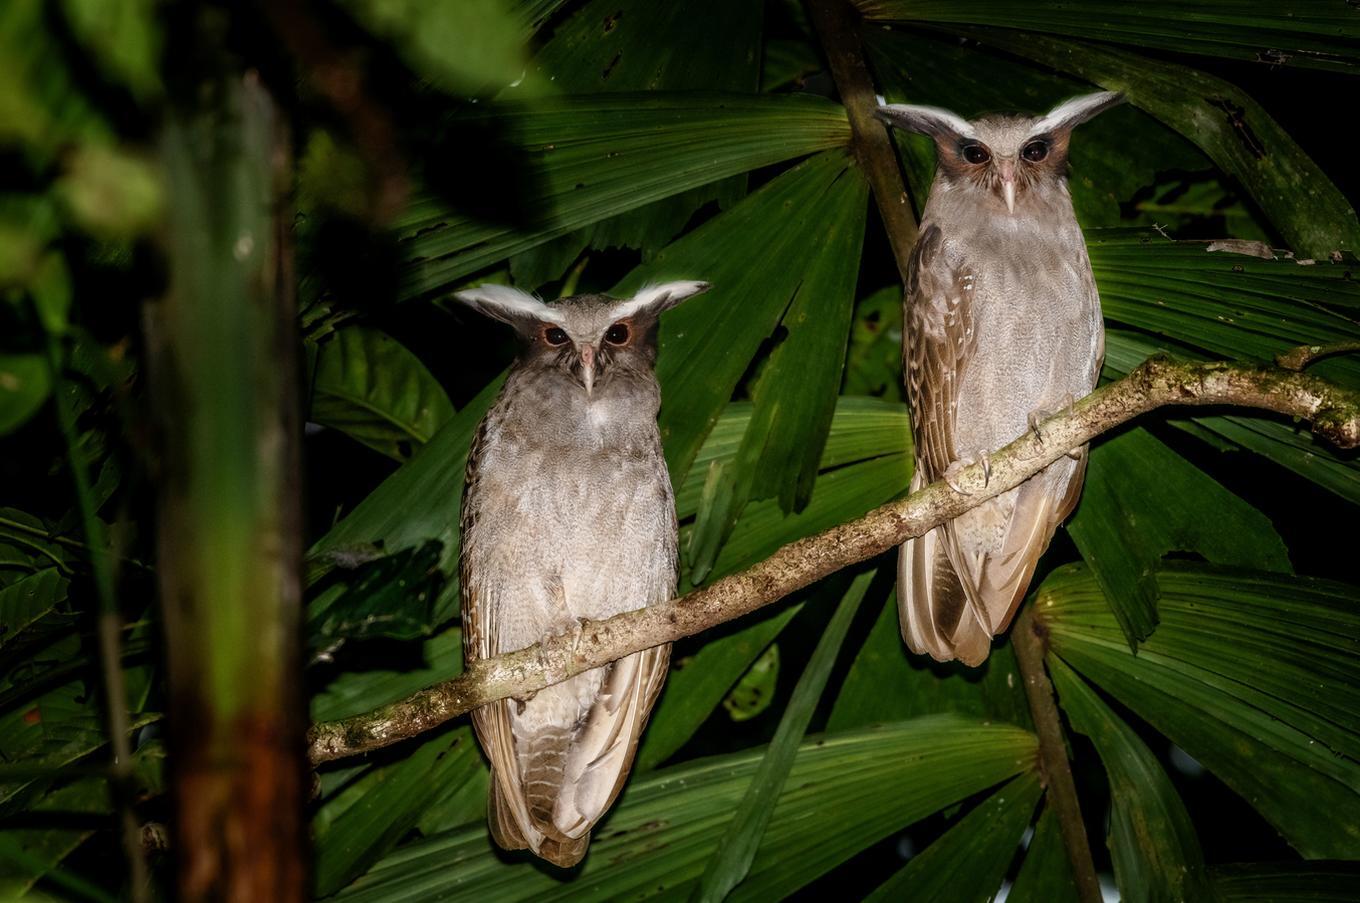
x,y
1039,506
951,606
505,830
933,606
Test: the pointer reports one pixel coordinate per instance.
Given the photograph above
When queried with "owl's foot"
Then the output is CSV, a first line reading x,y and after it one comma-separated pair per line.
x,y
1039,415
951,473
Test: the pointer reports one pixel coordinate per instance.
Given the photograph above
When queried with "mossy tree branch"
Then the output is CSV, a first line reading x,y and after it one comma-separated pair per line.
x,y
1333,411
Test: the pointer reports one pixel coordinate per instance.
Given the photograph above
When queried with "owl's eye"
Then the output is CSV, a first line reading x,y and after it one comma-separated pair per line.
x,y
554,336
617,334
975,153
1035,151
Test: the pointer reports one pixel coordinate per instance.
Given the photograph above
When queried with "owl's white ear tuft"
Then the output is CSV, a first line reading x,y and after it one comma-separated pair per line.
x,y
509,305
933,121
654,299
1071,113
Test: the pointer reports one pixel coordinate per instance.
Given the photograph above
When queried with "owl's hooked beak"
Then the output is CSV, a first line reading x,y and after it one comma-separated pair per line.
x,y
1007,168
588,367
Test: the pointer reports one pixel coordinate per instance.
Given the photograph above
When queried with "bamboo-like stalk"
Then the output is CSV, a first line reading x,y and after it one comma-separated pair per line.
x,y
221,359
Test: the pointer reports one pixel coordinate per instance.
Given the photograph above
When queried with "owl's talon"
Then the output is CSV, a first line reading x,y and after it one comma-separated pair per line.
x,y
1034,420
951,473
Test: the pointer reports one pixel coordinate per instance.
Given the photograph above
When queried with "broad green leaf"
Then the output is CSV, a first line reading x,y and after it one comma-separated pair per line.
x,y
419,502
368,386
42,109
376,811
1226,122
887,683
787,62
1046,874
756,256
732,860
971,859
124,38
391,597
1227,305
755,690
1313,35
611,46
58,728
357,691
1255,675
873,365
861,429
25,381
666,825
1152,842
1141,500
1107,169
595,157
486,32
697,684
41,847
30,613
1288,882
1288,444
795,395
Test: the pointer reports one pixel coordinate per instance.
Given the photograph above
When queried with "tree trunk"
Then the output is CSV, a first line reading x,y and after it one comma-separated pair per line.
x,y
222,368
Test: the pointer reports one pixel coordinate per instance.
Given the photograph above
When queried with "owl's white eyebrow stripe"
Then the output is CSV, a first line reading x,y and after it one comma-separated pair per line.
x,y
510,302
650,294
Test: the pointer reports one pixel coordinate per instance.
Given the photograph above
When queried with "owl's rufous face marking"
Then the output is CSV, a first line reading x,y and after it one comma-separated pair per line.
x,y
1002,154
589,338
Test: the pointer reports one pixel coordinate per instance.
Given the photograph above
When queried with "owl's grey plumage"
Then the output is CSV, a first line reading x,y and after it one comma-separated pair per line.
x,y
1002,327
567,515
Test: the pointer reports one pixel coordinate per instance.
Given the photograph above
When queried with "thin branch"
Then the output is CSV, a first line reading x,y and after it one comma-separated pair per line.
x,y
1030,644
837,26
1333,411
109,625
1301,357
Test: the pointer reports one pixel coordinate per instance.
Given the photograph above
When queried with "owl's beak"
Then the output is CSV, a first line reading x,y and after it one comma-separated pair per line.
x,y
588,367
1007,168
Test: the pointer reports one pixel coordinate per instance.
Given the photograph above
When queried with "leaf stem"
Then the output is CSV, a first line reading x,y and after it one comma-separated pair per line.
x,y
1030,648
109,630
837,26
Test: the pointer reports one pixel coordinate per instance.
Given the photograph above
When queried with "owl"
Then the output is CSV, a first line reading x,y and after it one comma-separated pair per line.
x,y
1002,328
567,515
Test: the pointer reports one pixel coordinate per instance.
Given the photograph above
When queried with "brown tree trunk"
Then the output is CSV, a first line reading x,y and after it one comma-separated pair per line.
x,y
222,361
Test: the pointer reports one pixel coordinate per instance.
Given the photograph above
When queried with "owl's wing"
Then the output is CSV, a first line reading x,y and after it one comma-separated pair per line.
x,y
939,344
602,751
935,608
506,809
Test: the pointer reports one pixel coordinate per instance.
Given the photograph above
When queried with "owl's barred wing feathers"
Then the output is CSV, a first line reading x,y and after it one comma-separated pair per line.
x,y
934,606
961,583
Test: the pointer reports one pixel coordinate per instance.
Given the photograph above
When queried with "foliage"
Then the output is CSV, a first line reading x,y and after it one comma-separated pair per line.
x,y
1197,598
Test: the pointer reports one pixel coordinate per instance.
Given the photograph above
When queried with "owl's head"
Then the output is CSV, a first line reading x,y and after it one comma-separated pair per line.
x,y
1005,155
591,339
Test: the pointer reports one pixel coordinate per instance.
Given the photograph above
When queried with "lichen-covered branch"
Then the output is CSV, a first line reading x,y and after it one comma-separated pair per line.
x,y
1301,357
1333,411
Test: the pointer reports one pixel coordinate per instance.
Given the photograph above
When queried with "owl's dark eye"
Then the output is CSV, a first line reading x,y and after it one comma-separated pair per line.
x,y
617,334
975,153
1035,151
554,336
